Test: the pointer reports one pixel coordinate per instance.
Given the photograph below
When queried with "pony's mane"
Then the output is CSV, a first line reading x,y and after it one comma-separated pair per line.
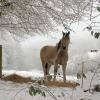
x,y
58,45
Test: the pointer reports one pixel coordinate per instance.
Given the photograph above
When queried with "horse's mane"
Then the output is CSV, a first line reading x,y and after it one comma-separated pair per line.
x,y
58,45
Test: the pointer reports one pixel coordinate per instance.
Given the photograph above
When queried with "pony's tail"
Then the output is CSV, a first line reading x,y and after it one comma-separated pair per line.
x,y
46,68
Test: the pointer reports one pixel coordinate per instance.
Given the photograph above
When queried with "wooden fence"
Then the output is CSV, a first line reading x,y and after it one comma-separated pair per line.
x,y
0,60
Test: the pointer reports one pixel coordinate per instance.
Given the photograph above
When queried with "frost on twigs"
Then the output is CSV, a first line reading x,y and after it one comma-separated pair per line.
x,y
96,88
33,91
95,32
31,17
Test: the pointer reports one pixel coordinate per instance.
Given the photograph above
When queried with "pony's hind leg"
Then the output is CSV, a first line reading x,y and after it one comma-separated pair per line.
x,y
46,68
49,77
46,71
55,72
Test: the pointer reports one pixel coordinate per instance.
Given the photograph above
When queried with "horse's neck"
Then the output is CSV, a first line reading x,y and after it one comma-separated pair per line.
x,y
63,51
58,45
59,49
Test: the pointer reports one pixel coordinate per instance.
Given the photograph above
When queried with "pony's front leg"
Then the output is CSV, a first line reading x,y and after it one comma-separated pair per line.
x,y
64,72
55,72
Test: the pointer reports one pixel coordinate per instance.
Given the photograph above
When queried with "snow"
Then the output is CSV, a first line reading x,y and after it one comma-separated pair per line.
x,y
35,74
17,91
27,58
30,51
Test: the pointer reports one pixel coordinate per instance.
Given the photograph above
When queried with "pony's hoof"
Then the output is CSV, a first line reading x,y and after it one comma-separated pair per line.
x,y
54,80
64,81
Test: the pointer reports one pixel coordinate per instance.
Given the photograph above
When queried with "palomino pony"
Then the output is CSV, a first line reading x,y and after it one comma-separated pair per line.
x,y
55,55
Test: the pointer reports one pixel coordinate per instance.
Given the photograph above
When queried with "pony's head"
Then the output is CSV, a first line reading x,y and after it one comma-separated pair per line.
x,y
64,42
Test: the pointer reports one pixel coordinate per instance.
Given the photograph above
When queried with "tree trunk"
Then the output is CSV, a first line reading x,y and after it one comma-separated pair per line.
x,y
0,61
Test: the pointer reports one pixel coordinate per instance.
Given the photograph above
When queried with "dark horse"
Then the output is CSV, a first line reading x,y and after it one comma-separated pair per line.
x,y
55,55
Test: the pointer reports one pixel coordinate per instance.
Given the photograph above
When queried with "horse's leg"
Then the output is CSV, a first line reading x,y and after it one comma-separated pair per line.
x,y
48,70
44,69
44,65
64,72
55,72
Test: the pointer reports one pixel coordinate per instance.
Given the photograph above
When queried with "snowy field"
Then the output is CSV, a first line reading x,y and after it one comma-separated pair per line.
x,y
25,56
17,91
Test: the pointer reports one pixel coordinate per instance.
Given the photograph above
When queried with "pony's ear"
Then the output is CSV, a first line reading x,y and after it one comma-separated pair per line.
x,y
68,33
63,33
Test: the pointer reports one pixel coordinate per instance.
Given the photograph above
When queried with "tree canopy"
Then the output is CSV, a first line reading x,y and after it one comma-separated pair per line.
x,y
30,17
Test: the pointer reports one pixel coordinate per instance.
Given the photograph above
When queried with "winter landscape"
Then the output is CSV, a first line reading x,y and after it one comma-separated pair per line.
x,y
26,26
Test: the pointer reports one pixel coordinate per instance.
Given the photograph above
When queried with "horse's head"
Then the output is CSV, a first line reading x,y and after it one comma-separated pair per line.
x,y
65,40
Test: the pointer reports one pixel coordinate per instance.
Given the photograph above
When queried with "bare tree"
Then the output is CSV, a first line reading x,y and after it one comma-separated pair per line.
x,y
0,61
94,26
21,17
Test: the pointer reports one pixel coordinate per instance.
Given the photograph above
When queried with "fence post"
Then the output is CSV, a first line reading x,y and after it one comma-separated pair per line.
x,y
82,73
0,61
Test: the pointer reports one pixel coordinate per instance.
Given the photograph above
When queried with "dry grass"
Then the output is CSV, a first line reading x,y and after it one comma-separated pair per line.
x,y
62,84
16,78
20,79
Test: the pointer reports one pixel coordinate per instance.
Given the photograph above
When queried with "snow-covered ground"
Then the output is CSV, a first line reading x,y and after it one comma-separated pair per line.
x,y
16,91
26,56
